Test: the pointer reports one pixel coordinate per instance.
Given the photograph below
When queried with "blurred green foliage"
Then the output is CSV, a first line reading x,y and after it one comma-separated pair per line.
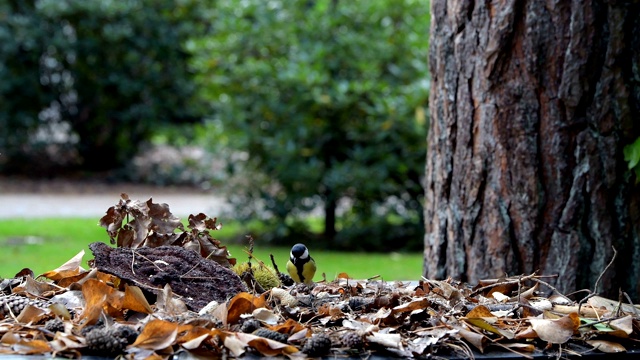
x,y
328,99
85,82
632,157
315,104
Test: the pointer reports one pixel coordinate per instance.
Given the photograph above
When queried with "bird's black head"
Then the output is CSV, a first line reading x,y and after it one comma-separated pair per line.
x,y
299,251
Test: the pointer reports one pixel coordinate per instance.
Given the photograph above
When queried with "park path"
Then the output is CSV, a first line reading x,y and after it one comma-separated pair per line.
x,y
21,198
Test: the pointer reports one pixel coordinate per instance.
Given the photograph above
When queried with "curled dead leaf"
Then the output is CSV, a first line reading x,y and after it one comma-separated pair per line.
x,y
605,346
243,303
70,268
157,335
556,331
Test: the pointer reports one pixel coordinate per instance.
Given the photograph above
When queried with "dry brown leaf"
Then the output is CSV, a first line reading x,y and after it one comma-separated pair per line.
x,y
70,268
243,303
135,300
481,317
288,327
266,346
77,280
31,347
167,303
157,335
556,331
9,338
527,333
520,346
624,324
393,341
235,345
31,314
196,342
605,346
265,316
600,302
414,304
479,341
480,311
193,337
32,287
100,297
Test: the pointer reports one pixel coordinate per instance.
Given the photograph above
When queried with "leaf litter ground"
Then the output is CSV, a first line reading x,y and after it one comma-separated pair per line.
x,y
167,290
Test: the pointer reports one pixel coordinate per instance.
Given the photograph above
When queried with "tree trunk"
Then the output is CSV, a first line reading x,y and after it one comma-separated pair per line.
x,y
532,103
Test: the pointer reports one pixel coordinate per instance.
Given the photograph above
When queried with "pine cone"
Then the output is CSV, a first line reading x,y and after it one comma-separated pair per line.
x,y
250,326
359,303
318,345
352,340
111,341
54,325
14,304
270,334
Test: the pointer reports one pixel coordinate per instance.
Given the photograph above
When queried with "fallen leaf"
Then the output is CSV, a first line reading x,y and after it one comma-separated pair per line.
x,y
288,327
266,346
624,324
605,346
556,331
414,304
243,303
31,314
135,300
265,316
68,269
100,297
157,335
388,340
611,305
479,341
31,347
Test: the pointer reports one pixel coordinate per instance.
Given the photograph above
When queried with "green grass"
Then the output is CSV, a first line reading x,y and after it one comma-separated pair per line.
x,y
45,244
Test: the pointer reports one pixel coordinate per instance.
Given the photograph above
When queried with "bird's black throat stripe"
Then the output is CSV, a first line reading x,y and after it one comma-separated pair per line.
x,y
299,263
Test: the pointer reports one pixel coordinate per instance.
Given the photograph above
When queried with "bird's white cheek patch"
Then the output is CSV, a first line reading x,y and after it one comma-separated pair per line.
x,y
305,254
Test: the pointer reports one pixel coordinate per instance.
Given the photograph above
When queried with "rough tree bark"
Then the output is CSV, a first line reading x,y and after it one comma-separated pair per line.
x,y
531,105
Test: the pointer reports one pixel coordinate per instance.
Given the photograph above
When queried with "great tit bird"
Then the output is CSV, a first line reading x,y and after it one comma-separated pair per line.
x,y
301,266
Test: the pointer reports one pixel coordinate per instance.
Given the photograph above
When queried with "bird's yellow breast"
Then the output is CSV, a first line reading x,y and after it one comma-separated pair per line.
x,y
307,273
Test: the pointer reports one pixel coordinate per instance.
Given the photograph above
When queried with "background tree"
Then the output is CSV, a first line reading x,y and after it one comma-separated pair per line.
x,y
97,77
327,98
532,105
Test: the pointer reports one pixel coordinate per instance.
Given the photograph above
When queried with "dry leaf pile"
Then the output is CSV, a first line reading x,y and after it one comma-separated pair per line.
x,y
165,291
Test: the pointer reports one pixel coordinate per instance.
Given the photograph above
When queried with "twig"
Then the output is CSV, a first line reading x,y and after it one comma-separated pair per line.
x,y
595,287
260,262
599,321
275,267
505,282
635,310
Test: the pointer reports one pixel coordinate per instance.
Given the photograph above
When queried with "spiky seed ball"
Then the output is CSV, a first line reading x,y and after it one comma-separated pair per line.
x,y
352,340
264,275
318,345
270,334
250,325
